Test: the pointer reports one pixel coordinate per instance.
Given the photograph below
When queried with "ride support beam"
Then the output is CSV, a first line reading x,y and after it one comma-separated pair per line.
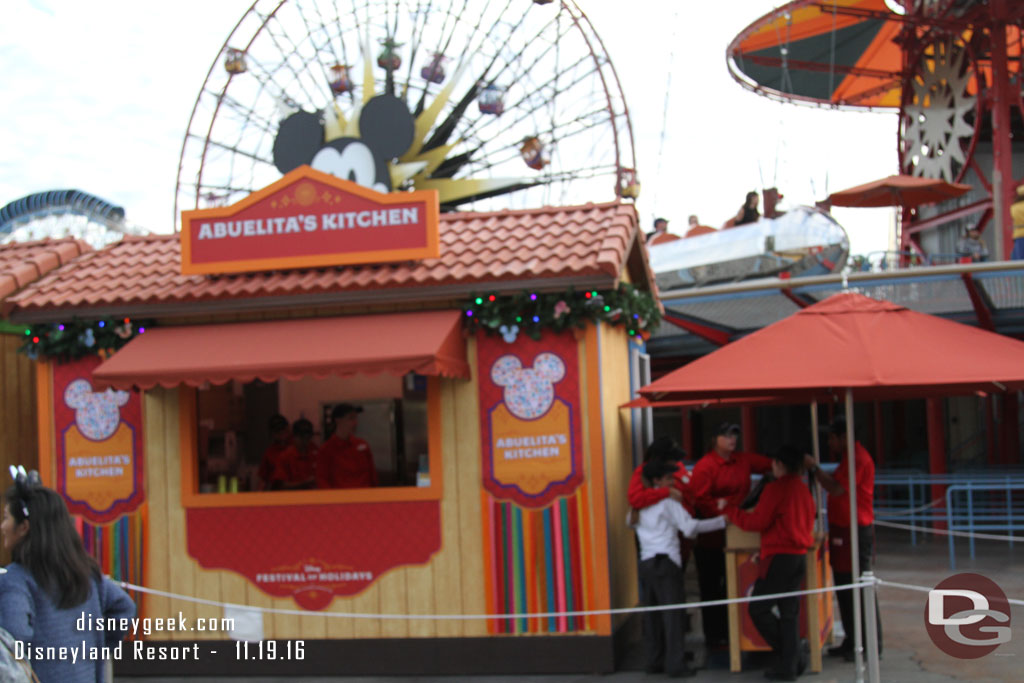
x,y
941,219
936,421
715,335
1002,147
992,453
879,424
982,306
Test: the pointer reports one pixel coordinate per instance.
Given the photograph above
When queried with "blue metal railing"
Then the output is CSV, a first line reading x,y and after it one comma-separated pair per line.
x,y
973,502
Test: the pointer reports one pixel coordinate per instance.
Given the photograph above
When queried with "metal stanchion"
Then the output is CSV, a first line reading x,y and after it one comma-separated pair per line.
x,y
871,625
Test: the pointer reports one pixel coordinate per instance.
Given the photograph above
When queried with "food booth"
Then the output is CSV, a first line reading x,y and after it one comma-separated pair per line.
x,y
490,353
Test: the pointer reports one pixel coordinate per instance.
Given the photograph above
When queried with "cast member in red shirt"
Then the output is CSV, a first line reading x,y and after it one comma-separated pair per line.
x,y
344,460
641,495
302,456
720,478
840,558
273,470
785,517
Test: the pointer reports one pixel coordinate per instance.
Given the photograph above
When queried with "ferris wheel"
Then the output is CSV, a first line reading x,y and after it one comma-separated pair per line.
x,y
502,104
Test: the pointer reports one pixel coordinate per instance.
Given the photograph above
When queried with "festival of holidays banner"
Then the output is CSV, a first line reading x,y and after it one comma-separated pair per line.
x,y
314,553
99,444
530,417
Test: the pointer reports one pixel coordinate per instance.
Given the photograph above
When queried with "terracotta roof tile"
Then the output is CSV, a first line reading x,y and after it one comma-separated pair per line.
x,y
478,250
22,263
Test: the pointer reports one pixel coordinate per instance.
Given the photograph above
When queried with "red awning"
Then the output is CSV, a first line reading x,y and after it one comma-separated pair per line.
x,y
424,342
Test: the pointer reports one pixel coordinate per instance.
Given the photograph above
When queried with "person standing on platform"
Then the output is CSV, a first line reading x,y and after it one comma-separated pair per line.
x,y
840,552
720,478
344,461
661,572
660,228
784,516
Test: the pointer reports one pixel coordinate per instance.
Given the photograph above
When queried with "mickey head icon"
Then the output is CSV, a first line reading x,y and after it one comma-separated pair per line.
x,y
529,392
386,130
97,413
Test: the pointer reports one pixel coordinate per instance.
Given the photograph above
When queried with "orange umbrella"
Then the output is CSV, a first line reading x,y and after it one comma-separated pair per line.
x,y
898,190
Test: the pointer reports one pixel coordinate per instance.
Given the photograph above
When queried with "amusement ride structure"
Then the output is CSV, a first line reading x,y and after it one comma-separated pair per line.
x,y
952,68
63,213
501,98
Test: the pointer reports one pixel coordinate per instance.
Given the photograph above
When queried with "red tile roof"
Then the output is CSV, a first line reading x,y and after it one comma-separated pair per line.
x,y
22,263
551,247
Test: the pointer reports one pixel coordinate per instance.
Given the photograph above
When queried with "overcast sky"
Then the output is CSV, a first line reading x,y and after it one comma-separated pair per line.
x,y
97,97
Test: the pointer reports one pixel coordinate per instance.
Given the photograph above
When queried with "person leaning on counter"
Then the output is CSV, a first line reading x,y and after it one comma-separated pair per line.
x,y
785,517
345,461
720,478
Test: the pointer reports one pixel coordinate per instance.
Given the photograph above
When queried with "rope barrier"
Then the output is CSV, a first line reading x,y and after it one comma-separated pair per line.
x,y
946,532
527,615
863,583
911,511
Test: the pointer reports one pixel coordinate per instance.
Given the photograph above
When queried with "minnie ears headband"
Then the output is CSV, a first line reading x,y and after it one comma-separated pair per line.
x,y
24,484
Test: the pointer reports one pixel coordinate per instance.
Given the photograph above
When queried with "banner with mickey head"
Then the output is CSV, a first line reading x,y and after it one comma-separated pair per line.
x,y
98,444
530,417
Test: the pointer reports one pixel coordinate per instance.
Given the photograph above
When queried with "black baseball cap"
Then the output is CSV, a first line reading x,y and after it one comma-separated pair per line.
x,y
656,469
660,220
664,448
343,409
727,429
837,426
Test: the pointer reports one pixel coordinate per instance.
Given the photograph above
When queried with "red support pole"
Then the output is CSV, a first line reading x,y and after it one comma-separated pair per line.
x,y
1002,149
687,434
748,427
936,419
1010,445
990,431
879,426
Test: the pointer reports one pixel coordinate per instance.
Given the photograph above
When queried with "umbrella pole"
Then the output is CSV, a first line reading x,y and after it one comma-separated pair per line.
x,y
858,651
819,521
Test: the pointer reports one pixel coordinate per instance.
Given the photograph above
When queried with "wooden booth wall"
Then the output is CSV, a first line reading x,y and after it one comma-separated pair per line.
x,y
456,580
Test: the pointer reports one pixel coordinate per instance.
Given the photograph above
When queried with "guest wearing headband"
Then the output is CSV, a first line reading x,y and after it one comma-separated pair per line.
x,y
52,586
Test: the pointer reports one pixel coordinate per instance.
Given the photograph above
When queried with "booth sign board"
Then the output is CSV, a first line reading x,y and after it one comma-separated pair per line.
x,y
309,219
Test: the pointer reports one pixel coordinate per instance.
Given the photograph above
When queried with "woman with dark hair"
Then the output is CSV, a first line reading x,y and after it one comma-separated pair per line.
x,y
53,587
748,213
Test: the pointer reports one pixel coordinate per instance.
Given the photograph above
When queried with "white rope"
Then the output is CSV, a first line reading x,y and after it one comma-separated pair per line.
x,y
911,511
946,532
529,615
922,589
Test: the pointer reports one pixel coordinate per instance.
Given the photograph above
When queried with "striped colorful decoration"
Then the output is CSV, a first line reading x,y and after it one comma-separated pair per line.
x,y
119,547
538,560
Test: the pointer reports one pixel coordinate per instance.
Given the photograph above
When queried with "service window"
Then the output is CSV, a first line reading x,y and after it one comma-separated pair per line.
x,y
277,436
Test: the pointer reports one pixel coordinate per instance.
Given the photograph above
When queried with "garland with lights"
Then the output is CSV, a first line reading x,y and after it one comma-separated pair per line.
x,y
531,312
68,341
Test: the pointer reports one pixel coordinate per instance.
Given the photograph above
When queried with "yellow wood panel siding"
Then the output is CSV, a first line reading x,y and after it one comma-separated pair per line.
x,y
419,586
182,567
448,570
393,600
618,465
160,455
465,402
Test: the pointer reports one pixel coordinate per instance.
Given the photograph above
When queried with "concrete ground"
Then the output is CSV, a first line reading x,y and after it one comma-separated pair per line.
x,y
910,656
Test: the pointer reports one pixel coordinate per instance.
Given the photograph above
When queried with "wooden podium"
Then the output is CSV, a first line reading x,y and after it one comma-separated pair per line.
x,y
740,573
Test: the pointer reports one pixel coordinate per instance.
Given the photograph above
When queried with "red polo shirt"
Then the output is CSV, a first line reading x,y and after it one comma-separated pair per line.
x,y
839,506
641,496
715,477
345,464
274,465
301,464
784,515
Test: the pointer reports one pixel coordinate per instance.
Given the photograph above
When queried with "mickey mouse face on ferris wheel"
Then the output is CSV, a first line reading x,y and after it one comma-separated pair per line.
x,y
386,131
